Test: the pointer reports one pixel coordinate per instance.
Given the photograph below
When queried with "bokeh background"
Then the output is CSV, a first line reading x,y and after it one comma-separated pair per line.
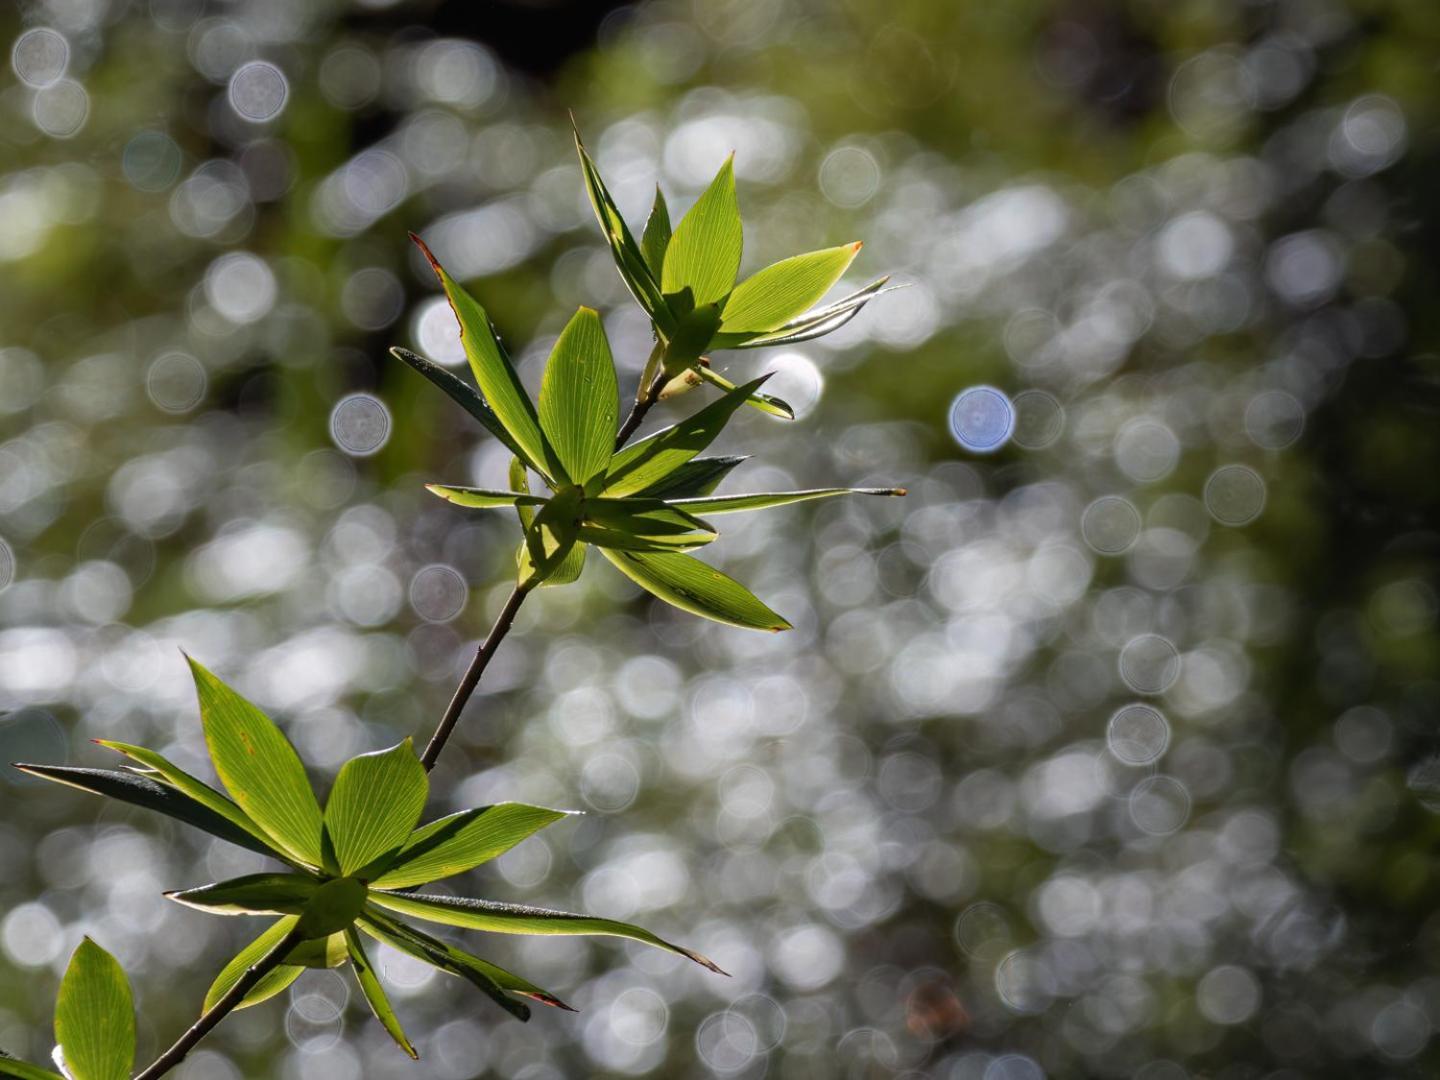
x,y
1107,753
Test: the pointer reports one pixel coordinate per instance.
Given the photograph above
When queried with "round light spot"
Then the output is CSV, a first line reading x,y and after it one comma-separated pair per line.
x,y
1228,994
1274,419
1146,450
1234,495
981,419
151,161
40,56
360,424
1159,805
766,1016
436,334
7,565
796,381
983,930
726,1042
31,935
1149,664
176,382
1400,1030
1023,981
1137,734
372,298
1039,419
438,593
258,91
61,108
609,783
639,1016
1110,524
240,286
31,734
849,176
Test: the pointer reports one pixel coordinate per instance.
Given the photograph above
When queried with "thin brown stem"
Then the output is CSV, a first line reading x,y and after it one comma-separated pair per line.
x,y
222,1008
643,401
503,623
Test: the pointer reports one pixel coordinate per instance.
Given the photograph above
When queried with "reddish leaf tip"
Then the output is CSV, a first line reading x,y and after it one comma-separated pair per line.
x,y
429,255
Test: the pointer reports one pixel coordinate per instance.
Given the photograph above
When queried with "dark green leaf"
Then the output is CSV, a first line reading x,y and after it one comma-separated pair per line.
x,y
656,237
629,259
272,983
259,768
704,254
463,841
729,504
691,586
766,300
642,525
23,1070
461,393
580,398
251,894
374,806
645,463
696,477
95,1016
517,919
375,993
142,791
691,338
495,375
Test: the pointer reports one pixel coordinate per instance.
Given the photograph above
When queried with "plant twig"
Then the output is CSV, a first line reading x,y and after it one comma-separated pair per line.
x,y
503,622
222,1008
643,401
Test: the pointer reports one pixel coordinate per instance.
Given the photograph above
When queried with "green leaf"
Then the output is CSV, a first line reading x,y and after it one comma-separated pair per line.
x,y
142,791
437,954
203,793
334,906
272,983
769,298
375,993
645,463
461,393
463,841
374,806
23,1070
95,1016
251,894
691,338
517,919
259,768
764,402
704,254
493,371
629,259
656,237
699,476
642,525
690,585
321,952
483,498
520,483
548,541
580,398
729,504
814,324
568,570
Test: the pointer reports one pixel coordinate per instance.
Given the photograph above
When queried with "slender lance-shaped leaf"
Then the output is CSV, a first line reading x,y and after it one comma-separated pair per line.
x,y
259,767
697,477
461,393
520,483
580,398
142,791
22,1070
656,237
764,402
645,463
483,498
463,841
198,790
729,504
642,525
772,296
629,259
375,993
704,254
493,371
397,935
811,325
251,894
274,982
518,919
374,806
692,586
95,1016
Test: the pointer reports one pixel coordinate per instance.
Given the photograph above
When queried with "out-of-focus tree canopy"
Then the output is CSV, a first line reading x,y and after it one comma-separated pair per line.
x,y
1108,752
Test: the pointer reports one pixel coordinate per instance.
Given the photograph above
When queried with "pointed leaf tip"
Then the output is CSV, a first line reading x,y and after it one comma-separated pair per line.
x,y
425,250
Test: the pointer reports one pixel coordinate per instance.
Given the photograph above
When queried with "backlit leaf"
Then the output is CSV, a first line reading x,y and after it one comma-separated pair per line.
x,y
375,993
704,253
764,402
729,504
259,767
95,1016
699,476
251,894
642,525
461,393
656,237
272,983
580,398
692,586
483,498
463,841
811,325
769,298
23,1070
374,806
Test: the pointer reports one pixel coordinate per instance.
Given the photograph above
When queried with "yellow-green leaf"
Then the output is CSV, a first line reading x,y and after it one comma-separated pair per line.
x,y
580,398
272,983
375,993
95,1016
463,841
692,586
767,299
374,806
703,256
